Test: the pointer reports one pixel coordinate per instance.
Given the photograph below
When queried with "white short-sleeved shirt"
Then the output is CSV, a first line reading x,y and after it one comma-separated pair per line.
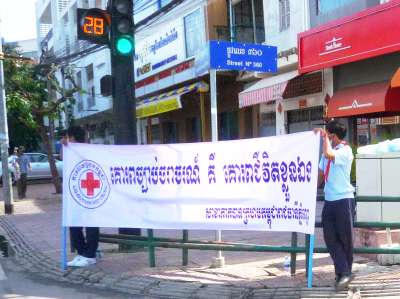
x,y
338,185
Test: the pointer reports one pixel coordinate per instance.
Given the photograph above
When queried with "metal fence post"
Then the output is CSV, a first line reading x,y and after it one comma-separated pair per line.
x,y
185,251
307,248
293,255
152,254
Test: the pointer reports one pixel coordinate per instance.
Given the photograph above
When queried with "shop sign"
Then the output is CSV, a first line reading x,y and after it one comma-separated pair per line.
x,y
157,107
355,105
243,57
369,33
160,51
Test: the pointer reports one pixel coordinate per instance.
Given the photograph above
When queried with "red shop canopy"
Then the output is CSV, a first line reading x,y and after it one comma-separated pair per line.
x,y
374,99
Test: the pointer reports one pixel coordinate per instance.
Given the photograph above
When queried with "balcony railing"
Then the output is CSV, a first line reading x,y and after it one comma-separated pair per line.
x,y
241,33
46,39
76,47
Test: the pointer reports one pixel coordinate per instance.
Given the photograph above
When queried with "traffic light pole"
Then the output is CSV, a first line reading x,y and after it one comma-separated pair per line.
x,y
124,104
124,108
123,91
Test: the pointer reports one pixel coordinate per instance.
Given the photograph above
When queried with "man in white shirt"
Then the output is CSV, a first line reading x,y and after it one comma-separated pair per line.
x,y
86,246
338,212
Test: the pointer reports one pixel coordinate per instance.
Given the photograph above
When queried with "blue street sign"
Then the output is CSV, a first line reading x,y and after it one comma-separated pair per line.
x,y
243,57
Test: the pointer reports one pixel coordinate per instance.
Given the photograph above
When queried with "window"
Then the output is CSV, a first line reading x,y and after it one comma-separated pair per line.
x,y
194,32
327,6
42,159
85,3
164,2
304,119
193,127
267,124
38,158
91,99
284,15
170,132
228,124
79,83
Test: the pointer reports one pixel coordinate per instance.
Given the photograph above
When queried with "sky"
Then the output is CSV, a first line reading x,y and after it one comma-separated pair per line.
x,y
17,19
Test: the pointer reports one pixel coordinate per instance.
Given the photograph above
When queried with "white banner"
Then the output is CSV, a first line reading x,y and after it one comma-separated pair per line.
x,y
253,184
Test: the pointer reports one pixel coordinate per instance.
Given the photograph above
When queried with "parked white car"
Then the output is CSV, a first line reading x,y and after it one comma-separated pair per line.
x,y
40,167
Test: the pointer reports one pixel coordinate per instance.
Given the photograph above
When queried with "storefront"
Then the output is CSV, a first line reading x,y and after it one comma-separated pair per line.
x,y
174,116
172,78
363,52
288,102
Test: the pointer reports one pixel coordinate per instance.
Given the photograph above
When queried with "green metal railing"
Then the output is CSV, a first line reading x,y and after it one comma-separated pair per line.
x,y
185,244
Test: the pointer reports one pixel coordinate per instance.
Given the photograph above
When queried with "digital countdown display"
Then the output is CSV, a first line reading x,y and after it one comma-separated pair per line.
x,y
93,25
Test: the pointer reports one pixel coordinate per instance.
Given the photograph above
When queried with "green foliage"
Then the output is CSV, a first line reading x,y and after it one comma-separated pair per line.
x,y
27,97
21,124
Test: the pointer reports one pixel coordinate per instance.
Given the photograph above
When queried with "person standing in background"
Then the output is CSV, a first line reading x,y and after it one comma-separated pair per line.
x,y
15,165
24,166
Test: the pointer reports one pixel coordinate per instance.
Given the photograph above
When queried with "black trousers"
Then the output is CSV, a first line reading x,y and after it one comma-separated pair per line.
x,y
337,222
21,185
86,247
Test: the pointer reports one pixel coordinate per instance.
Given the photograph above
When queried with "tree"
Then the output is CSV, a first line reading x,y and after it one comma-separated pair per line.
x,y
34,91
20,133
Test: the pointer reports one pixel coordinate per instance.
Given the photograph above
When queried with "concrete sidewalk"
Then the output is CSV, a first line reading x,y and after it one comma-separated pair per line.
x,y
34,233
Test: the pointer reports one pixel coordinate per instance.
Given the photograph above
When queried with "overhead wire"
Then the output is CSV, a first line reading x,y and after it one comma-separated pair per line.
x,y
149,20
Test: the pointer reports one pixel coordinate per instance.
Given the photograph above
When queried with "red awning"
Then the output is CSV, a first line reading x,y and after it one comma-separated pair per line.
x,y
374,99
266,90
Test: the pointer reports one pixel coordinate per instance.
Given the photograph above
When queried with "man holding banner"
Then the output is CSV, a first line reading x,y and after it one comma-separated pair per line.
x,y
86,247
338,211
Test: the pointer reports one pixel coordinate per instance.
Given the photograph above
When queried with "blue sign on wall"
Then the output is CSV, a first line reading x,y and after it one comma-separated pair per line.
x,y
243,57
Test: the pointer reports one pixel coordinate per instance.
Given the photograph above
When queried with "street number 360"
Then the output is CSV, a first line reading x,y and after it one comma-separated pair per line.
x,y
93,25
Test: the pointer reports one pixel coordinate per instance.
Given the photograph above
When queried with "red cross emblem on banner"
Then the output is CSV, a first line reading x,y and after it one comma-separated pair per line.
x,y
90,184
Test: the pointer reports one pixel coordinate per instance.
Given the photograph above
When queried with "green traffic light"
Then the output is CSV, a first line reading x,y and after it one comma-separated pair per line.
x,y
124,45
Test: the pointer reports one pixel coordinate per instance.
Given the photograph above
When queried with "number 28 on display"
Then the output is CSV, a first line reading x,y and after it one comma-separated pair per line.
x,y
93,25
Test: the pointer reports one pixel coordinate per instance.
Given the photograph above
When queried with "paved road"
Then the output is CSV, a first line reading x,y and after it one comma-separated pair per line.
x,y
34,233
16,283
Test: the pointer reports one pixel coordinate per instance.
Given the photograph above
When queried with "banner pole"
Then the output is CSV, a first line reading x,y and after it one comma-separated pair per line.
x,y
219,260
310,262
63,229
63,248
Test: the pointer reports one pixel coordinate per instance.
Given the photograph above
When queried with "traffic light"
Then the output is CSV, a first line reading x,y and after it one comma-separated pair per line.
x,y
106,85
122,42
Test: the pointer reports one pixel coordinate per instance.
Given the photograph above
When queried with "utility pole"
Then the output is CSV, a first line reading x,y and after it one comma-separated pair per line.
x,y
4,143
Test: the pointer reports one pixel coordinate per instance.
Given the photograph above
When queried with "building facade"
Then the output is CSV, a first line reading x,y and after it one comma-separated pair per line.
x,y
286,102
172,77
357,41
57,37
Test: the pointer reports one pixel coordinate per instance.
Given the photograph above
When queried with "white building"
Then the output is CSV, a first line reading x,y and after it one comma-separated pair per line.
x,y
57,32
